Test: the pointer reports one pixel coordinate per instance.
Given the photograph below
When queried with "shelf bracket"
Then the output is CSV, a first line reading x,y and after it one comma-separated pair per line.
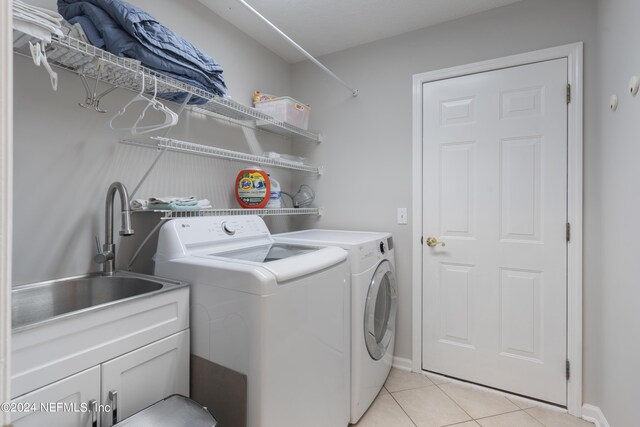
x,y
144,242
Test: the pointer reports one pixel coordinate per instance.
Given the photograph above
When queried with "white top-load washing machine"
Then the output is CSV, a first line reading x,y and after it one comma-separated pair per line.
x,y
374,304
278,313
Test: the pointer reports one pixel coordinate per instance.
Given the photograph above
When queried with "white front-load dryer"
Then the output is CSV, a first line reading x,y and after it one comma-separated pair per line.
x,y
276,313
374,305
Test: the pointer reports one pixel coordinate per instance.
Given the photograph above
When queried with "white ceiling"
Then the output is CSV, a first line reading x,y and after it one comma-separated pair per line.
x,y
326,26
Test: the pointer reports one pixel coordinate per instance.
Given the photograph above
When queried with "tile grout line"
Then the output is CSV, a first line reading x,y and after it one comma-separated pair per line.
x,y
525,410
471,418
562,412
412,388
455,403
398,403
502,413
496,415
537,420
445,393
511,412
463,422
512,398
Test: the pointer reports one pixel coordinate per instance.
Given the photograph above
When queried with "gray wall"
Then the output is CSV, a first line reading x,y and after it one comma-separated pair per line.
x,y
368,145
619,384
65,157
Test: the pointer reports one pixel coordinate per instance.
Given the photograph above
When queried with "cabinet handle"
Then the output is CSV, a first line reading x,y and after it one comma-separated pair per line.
x,y
93,409
113,397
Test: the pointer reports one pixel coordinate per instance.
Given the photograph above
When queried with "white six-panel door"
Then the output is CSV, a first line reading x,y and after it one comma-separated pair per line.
x,y
495,193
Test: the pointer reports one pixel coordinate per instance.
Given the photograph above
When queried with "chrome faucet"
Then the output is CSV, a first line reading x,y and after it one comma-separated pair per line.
x,y
107,254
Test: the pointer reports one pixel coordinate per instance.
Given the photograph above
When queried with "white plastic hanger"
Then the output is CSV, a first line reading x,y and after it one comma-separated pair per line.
x,y
138,98
171,118
40,58
152,102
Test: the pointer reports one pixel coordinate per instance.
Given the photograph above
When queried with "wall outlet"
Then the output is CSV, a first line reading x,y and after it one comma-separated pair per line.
x,y
402,216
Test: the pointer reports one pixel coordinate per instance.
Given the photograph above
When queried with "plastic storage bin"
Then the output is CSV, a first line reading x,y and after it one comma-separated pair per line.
x,y
286,109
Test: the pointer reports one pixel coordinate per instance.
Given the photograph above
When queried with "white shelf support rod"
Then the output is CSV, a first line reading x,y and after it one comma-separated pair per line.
x,y
144,242
159,155
310,57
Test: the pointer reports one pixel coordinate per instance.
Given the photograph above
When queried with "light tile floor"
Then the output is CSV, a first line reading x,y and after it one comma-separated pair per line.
x,y
415,400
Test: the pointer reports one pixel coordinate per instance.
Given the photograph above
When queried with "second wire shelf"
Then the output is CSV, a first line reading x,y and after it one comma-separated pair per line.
x,y
219,212
179,146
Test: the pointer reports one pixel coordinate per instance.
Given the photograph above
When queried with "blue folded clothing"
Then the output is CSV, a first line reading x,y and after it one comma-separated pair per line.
x,y
126,30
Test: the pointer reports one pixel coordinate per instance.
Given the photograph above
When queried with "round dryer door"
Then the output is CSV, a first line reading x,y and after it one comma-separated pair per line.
x,y
380,311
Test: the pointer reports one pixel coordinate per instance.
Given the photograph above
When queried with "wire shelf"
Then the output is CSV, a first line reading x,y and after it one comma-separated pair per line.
x,y
221,212
170,144
269,124
285,129
83,58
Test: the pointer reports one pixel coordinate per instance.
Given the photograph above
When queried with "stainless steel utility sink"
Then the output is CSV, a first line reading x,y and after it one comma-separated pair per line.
x,y
41,302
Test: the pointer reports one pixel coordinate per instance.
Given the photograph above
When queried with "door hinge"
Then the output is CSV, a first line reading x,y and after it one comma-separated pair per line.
x,y
568,369
568,232
568,94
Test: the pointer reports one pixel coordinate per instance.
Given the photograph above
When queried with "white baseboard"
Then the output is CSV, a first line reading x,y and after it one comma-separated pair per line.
x,y
594,414
402,363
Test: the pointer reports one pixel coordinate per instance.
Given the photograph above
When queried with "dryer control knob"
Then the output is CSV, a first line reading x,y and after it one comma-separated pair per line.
x,y
228,228
382,248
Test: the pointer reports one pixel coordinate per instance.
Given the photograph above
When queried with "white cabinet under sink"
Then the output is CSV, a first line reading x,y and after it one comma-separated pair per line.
x,y
74,391
124,385
144,376
47,353
122,356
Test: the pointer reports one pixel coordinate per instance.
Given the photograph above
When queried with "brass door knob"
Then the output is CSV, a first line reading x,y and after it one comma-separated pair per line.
x,y
432,242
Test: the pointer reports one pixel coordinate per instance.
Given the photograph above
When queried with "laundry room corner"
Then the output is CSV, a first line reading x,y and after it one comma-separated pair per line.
x,y
277,213
374,130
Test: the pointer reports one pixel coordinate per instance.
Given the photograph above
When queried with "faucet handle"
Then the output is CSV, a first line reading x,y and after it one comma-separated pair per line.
x,y
103,254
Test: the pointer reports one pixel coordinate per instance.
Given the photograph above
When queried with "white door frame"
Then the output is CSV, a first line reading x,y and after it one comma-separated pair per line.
x,y
6,208
573,53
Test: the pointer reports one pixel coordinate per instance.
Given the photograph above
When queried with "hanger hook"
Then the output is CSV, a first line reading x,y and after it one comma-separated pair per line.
x,y
142,84
92,98
88,102
155,87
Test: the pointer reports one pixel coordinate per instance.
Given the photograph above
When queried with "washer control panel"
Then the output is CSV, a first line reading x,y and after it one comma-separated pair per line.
x,y
211,230
228,228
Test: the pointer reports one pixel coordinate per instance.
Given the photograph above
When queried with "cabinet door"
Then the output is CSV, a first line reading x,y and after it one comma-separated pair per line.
x,y
65,403
142,377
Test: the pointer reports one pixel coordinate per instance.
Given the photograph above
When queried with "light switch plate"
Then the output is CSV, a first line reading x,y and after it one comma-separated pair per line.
x,y
402,216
